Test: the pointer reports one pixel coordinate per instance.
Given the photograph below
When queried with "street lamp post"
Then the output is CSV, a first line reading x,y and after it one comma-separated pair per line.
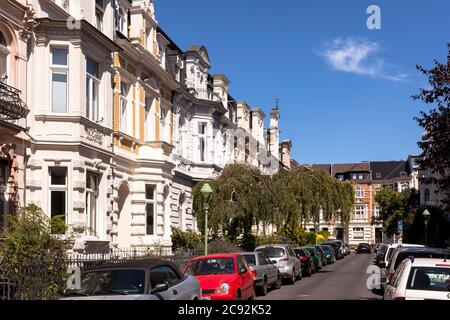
x,y
426,214
206,192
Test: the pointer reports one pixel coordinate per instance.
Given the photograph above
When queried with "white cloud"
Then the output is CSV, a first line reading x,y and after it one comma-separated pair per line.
x,y
357,56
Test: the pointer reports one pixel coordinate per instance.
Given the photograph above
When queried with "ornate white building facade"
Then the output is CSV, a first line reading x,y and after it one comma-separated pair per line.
x,y
123,123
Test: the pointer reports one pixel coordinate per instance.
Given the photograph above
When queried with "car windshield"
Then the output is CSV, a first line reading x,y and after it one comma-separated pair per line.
x,y
429,278
210,266
251,259
272,252
108,282
311,250
418,254
326,248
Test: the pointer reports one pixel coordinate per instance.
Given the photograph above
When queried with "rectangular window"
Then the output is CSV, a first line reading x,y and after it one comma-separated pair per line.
x,y
377,211
92,90
92,193
354,176
59,80
99,11
150,210
58,193
148,107
360,176
358,233
202,141
360,212
124,90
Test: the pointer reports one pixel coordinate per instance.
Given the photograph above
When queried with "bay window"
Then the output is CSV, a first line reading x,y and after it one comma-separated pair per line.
x,y
59,76
358,233
92,90
124,91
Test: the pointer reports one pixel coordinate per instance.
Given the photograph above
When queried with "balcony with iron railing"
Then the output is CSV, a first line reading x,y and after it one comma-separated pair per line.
x,y
12,108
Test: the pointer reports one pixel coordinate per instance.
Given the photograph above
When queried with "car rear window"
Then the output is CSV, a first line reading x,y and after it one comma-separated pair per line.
x,y
300,252
425,254
272,252
429,278
251,259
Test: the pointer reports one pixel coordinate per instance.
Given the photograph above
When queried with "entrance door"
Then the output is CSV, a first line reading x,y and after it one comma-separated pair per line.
x,y
340,234
378,235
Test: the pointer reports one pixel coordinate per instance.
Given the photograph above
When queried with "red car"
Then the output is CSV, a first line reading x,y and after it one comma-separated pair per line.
x,y
223,277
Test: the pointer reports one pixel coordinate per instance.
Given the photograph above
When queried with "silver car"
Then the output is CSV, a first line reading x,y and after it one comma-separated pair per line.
x,y
267,274
136,280
283,256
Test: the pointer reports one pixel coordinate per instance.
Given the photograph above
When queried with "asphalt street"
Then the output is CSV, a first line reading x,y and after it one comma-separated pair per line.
x,y
344,280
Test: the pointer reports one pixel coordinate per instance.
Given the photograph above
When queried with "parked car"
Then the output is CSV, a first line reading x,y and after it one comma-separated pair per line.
x,y
363,248
223,276
306,260
136,280
402,253
267,274
380,253
329,253
317,259
390,251
420,279
323,258
283,256
346,249
337,248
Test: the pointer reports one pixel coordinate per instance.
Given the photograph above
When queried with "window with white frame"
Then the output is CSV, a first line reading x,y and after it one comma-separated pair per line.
x,y
122,21
148,118
59,75
377,212
354,176
358,233
359,192
92,90
360,212
202,141
4,56
92,193
124,119
181,126
58,193
404,186
150,206
99,12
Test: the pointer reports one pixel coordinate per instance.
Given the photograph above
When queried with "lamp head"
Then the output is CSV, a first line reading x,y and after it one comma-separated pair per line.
x,y
206,190
426,214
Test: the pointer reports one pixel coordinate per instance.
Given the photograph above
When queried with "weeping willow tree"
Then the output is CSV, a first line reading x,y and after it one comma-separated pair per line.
x,y
243,198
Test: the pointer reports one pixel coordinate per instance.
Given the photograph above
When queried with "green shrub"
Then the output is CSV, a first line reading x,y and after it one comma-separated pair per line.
x,y
58,224
33,257
310,238
185,240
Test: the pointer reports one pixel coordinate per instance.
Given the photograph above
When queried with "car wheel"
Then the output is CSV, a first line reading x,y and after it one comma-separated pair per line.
x,y
278,283
309,271
293,278
299,274
263,288
253,295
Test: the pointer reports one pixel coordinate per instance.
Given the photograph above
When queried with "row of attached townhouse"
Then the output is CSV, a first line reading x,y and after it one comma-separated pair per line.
x,y
117,122
367,178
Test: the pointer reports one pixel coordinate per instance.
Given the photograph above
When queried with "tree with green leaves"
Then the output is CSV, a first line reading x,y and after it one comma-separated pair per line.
x,y
435,144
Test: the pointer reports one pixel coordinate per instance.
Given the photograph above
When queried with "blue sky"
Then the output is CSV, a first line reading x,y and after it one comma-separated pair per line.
x,y
345,90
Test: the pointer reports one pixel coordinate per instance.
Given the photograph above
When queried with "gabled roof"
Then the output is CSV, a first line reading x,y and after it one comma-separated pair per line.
x,y
350,167
385,170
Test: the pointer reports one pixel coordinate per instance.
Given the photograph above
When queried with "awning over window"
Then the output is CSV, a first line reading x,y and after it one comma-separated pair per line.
x,y
11,105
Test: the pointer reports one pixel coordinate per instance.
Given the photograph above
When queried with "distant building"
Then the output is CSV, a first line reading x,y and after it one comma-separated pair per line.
x,y
367,178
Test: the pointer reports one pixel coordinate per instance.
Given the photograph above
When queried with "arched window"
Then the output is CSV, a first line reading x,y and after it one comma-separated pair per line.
x,y
359,192
4,56
181,209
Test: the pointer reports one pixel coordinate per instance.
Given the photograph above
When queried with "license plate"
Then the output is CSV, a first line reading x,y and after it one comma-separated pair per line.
x,y
206,298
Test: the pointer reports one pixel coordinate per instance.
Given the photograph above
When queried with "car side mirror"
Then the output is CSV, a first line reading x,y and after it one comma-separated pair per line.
x,y
160,288
242,271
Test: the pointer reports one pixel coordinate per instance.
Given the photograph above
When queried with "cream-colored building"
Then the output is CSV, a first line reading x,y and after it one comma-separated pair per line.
x,y
123,123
